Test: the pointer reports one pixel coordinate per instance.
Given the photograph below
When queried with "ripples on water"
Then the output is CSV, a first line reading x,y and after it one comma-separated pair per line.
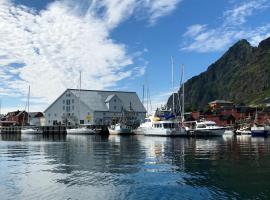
x,y
134,167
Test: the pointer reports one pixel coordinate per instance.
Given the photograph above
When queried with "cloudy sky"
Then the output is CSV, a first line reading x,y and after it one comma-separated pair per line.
x,y
117,44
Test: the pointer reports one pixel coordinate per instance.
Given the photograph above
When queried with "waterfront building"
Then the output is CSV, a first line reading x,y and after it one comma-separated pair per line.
x,y
217,104
17,118
36,119
95,107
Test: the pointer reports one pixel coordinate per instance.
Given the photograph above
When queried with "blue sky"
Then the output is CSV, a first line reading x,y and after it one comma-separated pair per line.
x,y
116,44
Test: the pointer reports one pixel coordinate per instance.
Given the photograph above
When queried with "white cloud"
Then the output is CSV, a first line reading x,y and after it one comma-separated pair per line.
x,y
200,38
195,29
159,8
47,49
238,15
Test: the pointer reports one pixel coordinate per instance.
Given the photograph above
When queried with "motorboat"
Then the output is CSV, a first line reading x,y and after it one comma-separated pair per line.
x,y
258,131
80,131
120,129
154,127
244,131
31,131
208,128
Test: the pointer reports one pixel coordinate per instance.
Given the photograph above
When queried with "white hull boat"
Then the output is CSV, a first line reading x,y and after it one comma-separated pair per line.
x,y
80,131
244,131
161,128
31,131
208,128
120,129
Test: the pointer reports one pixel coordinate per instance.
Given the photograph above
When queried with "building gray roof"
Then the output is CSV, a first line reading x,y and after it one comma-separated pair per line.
x,y
96,99
109,98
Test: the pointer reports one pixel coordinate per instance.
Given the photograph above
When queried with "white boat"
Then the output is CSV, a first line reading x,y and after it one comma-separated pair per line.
x,y
120,129
80,131
244,131
209,128
31,131
152,127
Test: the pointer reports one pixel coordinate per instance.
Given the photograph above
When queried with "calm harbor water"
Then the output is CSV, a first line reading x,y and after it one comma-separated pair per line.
x,y
133,167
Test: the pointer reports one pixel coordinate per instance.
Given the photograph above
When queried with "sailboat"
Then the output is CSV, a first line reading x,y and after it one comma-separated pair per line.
x,y
80,130
30,130
159,126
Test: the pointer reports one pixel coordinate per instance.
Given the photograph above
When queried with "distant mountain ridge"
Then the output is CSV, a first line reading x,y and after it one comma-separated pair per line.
x,y
241,75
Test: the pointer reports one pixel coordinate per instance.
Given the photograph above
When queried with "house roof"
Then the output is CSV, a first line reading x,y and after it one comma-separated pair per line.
x,y
96,99
35,114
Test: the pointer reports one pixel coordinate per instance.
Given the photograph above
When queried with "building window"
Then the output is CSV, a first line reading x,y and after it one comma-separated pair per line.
x,y
64,107
49,114
104,114
68,101
49,121
114,107
64,101
114,100
67,108
72,100
55,114
81,121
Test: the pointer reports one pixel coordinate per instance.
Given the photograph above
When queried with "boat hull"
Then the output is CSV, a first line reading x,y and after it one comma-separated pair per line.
x,y
162,132
120,132
259,133
31,131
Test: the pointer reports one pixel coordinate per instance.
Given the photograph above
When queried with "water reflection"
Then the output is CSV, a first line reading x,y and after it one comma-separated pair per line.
x,y
134,167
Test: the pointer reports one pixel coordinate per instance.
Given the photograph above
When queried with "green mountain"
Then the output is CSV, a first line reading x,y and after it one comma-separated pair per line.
x,y
241,75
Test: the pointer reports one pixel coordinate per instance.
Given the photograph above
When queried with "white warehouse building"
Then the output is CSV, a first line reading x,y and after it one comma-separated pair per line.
x,y
97,107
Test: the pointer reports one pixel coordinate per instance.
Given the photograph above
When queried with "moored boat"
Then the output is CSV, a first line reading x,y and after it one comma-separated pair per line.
x,y
154,127
243,131
208,128
31,131
120,129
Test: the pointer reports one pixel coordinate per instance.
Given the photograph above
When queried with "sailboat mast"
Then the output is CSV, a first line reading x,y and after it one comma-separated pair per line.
x,y
79,109
183,93
143,96
28,99
172,83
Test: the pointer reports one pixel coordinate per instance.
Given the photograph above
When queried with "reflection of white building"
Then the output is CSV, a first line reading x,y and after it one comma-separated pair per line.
x,y
96,107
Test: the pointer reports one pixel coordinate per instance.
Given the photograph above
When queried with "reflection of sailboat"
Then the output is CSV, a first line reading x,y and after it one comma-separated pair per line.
x,y
30,130
80,130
